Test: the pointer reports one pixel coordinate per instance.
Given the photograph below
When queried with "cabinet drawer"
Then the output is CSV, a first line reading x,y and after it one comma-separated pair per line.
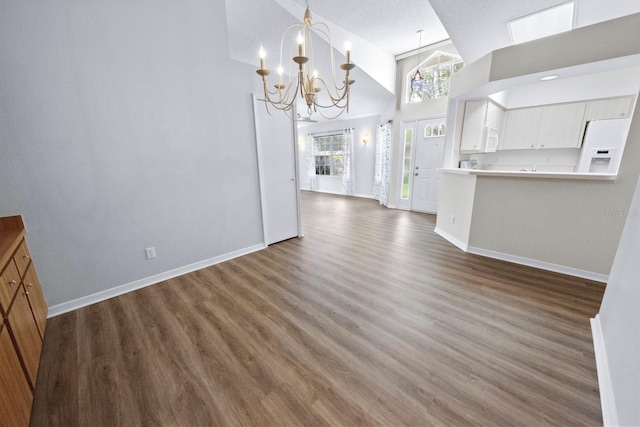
x,y
9,284
22,258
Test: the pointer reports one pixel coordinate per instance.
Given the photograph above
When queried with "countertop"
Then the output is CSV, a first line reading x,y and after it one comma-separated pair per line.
x,y
529,174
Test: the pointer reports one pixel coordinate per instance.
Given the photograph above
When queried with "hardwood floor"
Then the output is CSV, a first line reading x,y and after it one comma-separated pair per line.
x,y
370,319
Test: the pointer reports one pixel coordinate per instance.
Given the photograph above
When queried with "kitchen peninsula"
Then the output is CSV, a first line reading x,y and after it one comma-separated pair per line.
x,y
529,200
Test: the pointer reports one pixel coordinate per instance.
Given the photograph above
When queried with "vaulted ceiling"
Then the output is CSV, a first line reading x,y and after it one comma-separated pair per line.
x,y
382,29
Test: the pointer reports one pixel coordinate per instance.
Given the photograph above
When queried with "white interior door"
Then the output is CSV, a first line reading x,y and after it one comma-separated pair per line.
x,y
278,167
427,159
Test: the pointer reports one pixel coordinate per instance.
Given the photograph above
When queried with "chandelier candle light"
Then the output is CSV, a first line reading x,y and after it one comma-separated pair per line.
x,y
308,83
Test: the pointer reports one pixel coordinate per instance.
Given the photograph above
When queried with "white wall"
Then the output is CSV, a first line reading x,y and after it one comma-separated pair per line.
x,y
619,319
364,155
123,125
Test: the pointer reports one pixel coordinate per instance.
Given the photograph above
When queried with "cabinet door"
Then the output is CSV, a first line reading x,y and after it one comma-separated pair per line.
x,y
25,332
36,298
521,128
473,127
22,258
9,282
495,116
615,108
15,394
560,126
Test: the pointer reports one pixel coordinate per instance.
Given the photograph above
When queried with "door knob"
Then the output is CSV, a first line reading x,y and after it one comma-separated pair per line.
x,y
293,179
416,174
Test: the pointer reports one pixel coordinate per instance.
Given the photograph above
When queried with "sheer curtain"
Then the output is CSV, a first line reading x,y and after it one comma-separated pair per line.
x,y
383,164
348,184
311,162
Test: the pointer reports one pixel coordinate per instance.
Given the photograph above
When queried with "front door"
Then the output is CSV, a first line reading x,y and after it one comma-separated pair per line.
x,y
277,164
429,151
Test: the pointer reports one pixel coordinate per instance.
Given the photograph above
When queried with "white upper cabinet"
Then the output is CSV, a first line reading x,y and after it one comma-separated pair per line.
x,y
613,108
480,128
521,128
547,126
561,126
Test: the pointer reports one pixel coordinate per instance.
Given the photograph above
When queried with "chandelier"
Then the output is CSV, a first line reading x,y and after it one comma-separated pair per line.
x,y
307,83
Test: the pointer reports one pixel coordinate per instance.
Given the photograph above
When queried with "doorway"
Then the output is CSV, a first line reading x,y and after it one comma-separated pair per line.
x,y
276,142
423,150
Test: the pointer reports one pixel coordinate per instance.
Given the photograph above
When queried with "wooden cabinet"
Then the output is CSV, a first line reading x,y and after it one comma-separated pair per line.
x,y
16,397
561,126
24,314
33,292
9,282
612,108
482,121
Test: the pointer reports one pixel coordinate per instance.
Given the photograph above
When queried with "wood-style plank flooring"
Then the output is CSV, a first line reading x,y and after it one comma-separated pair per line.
x,y
370,319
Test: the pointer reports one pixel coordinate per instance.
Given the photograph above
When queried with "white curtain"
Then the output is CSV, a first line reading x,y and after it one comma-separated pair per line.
x,y
348,180
311,163
383,164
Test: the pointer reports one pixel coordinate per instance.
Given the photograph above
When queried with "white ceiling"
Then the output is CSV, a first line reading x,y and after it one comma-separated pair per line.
x,y
478,27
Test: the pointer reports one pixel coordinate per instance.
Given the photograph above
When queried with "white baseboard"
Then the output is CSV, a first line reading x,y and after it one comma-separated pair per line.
x,y
365,196
607,399
451,239
75,304
540,264
524,261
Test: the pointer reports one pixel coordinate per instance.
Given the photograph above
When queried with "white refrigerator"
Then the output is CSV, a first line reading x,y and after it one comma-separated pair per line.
x,y
603,145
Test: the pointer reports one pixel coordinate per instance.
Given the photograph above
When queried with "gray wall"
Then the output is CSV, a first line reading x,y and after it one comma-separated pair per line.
x,y
620,319
123,125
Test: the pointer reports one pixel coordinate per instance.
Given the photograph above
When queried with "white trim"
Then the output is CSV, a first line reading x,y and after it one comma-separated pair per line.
x,y
337,193
364,196
607,398
75,304
522,260
451,239
598,277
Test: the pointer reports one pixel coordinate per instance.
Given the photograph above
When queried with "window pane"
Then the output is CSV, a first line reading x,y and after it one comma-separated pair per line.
x,y
406,164
328,153
436,73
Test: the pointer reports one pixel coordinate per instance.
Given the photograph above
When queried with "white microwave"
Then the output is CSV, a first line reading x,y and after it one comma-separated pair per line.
x,y
490,139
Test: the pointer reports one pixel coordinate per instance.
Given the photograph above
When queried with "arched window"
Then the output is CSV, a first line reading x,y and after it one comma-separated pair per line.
x,y
431,79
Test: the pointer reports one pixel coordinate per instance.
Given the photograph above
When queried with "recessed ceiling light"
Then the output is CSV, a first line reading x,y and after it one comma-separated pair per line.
x,y
542,24
547,78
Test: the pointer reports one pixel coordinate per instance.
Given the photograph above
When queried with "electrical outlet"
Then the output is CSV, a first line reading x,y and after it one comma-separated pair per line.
x,y
151,252
453,219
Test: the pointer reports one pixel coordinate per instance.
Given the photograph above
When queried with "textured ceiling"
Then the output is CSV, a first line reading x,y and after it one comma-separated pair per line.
x,y
388,24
